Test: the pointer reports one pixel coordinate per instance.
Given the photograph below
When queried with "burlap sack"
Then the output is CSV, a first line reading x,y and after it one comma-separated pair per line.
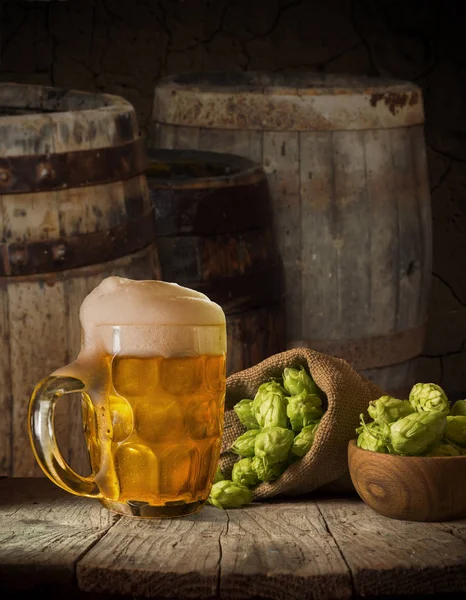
x,y
348,394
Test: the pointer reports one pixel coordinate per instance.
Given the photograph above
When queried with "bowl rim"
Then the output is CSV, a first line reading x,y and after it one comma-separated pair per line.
x,y
352,443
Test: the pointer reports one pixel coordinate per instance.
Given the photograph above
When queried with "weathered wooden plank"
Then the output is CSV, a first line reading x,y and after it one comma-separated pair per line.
x,y
395,379
38,309
281,163
409,238
281,551
44,531
418,148
187,137
383,226
350,233
171,558
165,136
320,294
390,557
241,142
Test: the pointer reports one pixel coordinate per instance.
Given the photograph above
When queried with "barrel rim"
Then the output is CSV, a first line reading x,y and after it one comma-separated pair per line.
x,y
287,108
249,170
109,101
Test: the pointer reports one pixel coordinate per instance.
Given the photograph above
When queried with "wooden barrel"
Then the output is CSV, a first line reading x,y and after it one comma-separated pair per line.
x,y
75,208
215,235
347,171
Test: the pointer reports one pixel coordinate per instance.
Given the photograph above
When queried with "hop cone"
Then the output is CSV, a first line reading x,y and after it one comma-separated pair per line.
x,y
414,434
243,473
304,440
273,444
265,392
266,471
303,409
227,494
455,431
218,475
444,448
429,397
243,410
296,381
244,444
388,410
372,437
271,411
459,408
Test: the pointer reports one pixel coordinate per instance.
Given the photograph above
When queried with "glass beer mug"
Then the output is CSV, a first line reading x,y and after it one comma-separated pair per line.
x,y
151,372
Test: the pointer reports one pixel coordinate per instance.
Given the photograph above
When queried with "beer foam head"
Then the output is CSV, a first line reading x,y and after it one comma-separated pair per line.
x,y
153,308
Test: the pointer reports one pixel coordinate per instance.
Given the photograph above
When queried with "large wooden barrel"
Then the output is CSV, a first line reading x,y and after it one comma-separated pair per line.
x,y
347,171
215,235
75,208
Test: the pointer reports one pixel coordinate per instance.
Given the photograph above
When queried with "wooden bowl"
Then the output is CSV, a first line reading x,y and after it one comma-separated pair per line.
x,y
410,488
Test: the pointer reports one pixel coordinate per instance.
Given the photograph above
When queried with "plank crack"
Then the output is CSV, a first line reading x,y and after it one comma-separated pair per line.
x,y
343,557
222,534
99,537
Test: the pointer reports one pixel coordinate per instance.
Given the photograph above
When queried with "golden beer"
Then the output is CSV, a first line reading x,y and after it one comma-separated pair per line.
x,y
160,426
153,405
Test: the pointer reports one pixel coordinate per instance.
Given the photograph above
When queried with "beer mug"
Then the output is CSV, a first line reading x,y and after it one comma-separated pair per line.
x,y
151,372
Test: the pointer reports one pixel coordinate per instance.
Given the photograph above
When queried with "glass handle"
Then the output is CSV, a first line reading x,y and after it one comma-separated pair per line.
x,y
42,435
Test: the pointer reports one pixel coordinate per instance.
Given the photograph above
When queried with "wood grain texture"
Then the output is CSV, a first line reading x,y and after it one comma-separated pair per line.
x,y
388,557
43,532
37,347
215,234
410,487
316,547
351,205
176,558
40,321
281,551
281,163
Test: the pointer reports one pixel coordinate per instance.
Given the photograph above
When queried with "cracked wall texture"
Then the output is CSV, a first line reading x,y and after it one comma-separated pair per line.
x,y
124,47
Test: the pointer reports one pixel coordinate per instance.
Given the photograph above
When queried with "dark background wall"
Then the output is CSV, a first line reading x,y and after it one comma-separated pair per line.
x,y
125,46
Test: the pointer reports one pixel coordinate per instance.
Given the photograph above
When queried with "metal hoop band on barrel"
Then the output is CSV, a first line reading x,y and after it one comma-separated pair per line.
x,y
78,168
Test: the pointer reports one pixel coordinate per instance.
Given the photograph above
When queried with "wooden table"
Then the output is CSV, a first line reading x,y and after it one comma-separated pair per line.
x,y
318,547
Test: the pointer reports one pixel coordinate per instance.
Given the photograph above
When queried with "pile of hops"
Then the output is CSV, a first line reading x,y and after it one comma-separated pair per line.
x,y
281,422
423,425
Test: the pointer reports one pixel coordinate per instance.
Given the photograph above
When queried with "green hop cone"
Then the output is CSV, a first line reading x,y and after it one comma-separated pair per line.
x,y
244,444
243,473
388,410
228,494
372,436
455,431
304,440
243,410
414,434
218,475
303,409
273,444
458,408
271,411
296,381
269,405
265,471
444,448
429,397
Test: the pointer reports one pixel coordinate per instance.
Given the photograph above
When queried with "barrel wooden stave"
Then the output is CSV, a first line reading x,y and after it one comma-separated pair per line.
x,y
350,200
39,322
215,235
